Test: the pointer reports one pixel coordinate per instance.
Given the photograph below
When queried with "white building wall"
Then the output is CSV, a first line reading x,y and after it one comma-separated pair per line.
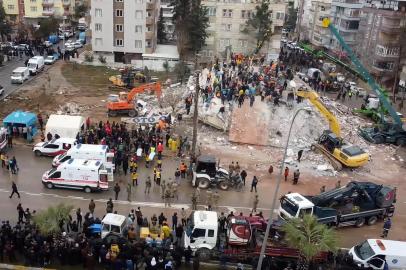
x,y
102,40
130,24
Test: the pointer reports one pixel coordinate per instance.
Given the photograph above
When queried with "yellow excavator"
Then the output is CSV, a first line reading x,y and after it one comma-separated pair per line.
x,y
330,143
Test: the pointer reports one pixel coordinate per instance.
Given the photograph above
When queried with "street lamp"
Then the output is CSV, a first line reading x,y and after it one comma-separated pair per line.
x,y
278,183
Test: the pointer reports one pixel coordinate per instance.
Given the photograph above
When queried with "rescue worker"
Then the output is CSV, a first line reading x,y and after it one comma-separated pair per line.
x,y
134,178
183,169
194,201
116,191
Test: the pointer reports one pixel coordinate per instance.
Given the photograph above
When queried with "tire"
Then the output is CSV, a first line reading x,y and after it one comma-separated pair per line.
x,y
359,222
401,141
223,185
372,220
49,185
204,254
132,113
87,190
378,139
203,183
37,153
112,113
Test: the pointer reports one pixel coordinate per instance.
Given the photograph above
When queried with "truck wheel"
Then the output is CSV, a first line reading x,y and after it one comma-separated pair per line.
x,y
204,254
372,220
223,185
87,189
49,185
378,139
359,222
401,142
37,153
112,113
203,183
132,113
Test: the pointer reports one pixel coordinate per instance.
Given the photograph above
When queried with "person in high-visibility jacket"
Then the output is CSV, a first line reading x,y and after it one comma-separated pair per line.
x,y
134,178
182,169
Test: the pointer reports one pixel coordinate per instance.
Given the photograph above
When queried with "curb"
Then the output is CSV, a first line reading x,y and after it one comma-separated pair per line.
x,y
20,267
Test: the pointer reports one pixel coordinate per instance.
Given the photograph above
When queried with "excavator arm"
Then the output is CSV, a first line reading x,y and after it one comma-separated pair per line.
x,y
156,87
314,98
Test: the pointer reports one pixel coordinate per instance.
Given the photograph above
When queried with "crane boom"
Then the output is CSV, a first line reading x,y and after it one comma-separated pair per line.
x,y
314,98
363,71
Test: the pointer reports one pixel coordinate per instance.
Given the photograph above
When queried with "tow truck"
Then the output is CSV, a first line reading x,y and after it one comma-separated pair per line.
x,y
355,204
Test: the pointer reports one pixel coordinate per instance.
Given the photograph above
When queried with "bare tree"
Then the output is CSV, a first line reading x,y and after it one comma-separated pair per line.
x,y
171,97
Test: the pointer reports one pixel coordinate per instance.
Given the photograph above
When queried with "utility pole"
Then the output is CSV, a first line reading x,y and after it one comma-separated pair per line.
x,y
196,110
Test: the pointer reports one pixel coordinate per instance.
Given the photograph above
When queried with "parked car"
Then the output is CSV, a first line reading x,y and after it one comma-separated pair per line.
x,y
49,60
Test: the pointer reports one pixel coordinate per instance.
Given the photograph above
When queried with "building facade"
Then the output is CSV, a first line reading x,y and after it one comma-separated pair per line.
x,y
167,14
227,21
380,38
12,9
122,30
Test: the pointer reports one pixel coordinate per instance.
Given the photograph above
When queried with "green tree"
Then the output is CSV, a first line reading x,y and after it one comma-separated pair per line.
x,y
191,23
260,25
48,220
161,35
310,238
80,11
292,17
5,26
47,26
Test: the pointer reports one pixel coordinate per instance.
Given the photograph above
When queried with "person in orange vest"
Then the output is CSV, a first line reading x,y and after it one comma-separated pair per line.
x,y
160,149
183,169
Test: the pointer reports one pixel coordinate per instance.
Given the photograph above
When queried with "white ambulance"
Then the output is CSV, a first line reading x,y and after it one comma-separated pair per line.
x,y
54,147
87,175
89,152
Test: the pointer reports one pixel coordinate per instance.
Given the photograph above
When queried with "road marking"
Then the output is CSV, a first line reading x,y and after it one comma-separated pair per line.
x,y
139,203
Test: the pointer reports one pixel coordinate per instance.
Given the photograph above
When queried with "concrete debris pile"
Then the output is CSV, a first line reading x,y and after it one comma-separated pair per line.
x,y
75,109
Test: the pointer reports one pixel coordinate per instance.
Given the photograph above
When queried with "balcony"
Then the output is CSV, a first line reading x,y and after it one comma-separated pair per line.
x,y
387,51
149,35
347,3
382,66
150,5
48,3
149,20
48,12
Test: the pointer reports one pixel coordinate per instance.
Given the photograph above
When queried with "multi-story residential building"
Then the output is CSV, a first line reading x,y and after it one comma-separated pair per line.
x,y
379,41
35,9
12,9
167,14
227,21
123,30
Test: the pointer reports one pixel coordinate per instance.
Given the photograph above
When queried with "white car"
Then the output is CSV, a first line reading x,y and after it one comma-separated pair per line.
x,y
47,43
69,43
77,44
49,60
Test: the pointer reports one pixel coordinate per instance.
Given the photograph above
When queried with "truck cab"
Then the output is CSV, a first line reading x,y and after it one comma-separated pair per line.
x,y
373,253
202,230
113,223
294,205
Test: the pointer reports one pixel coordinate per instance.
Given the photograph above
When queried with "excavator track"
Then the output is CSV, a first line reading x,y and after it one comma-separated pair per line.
x,y
334,162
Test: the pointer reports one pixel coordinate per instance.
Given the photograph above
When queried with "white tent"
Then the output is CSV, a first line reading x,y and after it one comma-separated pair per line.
x,y
66,126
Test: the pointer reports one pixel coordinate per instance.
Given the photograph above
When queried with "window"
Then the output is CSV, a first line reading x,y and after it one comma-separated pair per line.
x,y
119,43
280,15
33,9
211,11
148,43
242,13
376,262
228,13
99,42
226,27
119,13
98,12
98,27
243,43
138,44
56,175
245,14
211,233
138,14
10,7
115,228
119,28
199,233
138,29
242,27
119,0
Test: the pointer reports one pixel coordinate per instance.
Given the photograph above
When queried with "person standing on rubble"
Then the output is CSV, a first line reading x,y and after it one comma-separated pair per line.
x,y
296,175
299,155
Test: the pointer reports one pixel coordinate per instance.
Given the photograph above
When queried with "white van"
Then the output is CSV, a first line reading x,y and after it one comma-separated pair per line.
x,y
87,151
113,223
54,147
373,253
87,175
36,64
20,75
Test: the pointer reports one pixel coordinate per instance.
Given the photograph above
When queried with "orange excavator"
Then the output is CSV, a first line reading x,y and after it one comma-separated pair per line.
x,y
126,102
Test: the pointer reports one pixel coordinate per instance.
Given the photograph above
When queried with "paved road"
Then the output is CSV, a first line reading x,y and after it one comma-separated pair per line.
x,y
36,196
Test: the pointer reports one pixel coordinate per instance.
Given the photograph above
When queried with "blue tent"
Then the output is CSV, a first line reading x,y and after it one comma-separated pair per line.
x,y
20,118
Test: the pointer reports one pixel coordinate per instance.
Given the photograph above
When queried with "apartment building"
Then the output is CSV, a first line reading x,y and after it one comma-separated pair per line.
x,y
314,11
167,14
379,41
35,9
123,30
12,9
227,20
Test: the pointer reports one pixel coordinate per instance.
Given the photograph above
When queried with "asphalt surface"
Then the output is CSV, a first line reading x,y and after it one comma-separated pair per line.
x,y
36,197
